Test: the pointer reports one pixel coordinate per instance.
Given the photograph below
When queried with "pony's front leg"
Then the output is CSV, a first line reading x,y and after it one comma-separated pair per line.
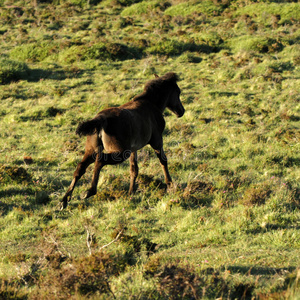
x,y
164,163
80,170
134,170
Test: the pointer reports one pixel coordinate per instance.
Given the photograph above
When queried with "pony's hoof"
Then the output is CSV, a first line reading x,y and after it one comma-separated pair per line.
x,y
171,187
64,202
63,205
88,194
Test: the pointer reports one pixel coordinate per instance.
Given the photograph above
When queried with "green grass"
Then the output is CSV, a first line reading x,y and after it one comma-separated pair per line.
x,y
11,70
265,13
207,8
230,226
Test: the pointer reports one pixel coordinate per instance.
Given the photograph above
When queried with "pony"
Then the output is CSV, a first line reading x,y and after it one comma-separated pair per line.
x,y
116,134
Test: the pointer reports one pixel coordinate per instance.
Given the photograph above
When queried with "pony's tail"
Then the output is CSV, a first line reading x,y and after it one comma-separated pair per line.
x,y
91,126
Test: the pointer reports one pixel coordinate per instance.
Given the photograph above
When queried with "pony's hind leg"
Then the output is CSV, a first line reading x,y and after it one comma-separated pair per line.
x,y
134,170
88,158
98,166
103,159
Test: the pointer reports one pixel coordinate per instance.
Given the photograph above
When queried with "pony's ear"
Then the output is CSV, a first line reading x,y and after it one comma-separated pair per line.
x,y
155,75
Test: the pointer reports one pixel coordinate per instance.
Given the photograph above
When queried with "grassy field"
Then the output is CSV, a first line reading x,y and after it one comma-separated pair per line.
x,y
229,229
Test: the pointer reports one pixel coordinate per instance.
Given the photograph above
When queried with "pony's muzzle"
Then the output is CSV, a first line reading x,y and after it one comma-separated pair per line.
x,y
180,113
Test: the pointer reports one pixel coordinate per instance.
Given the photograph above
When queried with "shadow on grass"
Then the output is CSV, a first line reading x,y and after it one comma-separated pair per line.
x,y
53,72
254,270
31,197
5,207
268,227
223,94
56,72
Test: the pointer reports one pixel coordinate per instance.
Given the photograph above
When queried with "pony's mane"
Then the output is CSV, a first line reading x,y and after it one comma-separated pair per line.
x,y
161,81
157,84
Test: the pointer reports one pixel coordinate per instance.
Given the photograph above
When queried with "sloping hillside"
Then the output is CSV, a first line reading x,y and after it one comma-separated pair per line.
x,y
229,228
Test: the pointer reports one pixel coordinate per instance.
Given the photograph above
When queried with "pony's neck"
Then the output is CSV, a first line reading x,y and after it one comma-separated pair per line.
x,y
159,99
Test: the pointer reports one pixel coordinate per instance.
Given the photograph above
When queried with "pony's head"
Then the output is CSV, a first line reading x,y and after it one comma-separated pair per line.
x,y
166,93
173,102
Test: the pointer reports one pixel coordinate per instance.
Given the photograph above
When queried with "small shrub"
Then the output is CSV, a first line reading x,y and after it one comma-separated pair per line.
x,y
100,51
114,188
80,3
280,67
93,273
18,257
297,60
243,74
128,2
147,181
175,282
10,289
124,22
137,243
14,174
197,193
152,266
83,276
256,195
11,70
144,7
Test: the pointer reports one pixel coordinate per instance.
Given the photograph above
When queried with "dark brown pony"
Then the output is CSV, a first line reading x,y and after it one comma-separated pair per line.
x,y
116,134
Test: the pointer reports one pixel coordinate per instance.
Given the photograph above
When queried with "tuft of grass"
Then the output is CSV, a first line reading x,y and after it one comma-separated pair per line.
x,y
174,282
255,43
99,51
166,47
36,114
82,277
144,7
128,2
14,174
256,195
174,48
197,193
206,7
272,12
11,70
32,52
